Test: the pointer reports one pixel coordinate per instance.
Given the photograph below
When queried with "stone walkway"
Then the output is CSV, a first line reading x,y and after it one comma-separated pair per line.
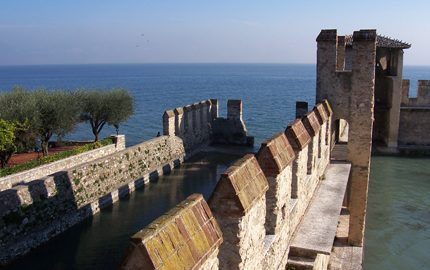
x,y
344,256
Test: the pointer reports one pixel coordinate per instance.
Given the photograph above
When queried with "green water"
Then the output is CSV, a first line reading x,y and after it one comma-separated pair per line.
x,y
398,215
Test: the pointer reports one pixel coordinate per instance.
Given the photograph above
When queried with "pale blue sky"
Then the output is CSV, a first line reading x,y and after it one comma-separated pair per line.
x,y
238,31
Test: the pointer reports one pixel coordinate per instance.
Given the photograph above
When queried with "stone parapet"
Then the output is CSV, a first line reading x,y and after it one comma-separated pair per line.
x,y
423,94
239,205
186,237
275,158
297,135
63,164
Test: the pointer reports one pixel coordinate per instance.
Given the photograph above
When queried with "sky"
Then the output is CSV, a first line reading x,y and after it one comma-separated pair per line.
x,y
197,31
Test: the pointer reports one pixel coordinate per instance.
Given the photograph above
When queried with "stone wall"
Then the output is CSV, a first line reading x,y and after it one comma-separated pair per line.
x,y
63,164
191,123
186,237
199,125
33,212
253,204
423,94
239,205
415,115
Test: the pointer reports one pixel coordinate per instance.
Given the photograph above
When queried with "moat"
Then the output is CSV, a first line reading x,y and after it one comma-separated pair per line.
x,y
99,242
397,228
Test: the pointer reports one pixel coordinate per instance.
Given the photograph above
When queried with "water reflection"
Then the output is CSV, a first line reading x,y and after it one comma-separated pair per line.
x,y
99,242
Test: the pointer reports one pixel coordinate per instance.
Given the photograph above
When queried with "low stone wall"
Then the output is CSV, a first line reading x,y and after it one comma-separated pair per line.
x,y
33,212
63,164
186,237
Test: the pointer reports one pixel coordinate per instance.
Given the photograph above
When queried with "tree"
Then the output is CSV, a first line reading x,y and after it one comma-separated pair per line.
x,y
105,107
57,113
7,141
19,107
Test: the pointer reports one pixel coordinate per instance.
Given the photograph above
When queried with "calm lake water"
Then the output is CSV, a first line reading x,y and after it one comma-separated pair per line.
x,y
397,234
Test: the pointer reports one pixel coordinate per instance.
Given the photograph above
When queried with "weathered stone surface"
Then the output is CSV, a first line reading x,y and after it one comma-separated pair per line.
x,y
186,237
63,164
238,204
67,197
318,228
297,135
169,123
275,154
311,123
351,96
321,113
275,158
241,185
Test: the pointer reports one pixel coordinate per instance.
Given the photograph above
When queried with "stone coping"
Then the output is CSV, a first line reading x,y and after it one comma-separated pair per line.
x,y
275,155
239,187
311,123
321,113
180,239
297,135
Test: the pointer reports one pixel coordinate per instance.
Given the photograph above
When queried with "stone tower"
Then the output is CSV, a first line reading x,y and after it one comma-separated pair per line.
x,y
347,79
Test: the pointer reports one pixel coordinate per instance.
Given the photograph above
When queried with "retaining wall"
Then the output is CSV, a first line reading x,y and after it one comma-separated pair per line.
x,y
33,212
63,164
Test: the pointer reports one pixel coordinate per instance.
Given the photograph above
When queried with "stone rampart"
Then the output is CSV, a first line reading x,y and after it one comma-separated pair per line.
x,y
415,115
186,237
33,212
239,205
423,94
199,125
63,164
253,204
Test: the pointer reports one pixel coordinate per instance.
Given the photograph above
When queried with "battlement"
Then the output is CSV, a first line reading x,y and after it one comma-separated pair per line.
x,y
423,94
253,204
199,124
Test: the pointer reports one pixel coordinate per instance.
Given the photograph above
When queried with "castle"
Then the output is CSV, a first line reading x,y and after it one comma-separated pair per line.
x,y
284,207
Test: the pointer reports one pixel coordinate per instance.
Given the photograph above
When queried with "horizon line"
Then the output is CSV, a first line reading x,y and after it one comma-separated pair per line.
x,y
179,63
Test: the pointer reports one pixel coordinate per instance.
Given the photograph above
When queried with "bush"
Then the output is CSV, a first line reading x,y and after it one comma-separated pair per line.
x,y
19,107
7,141
54,157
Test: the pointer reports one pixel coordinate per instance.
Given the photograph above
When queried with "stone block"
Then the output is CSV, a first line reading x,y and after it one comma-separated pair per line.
x,y
297,135
239,187
311,123
321,113
275,154
183,238
327,107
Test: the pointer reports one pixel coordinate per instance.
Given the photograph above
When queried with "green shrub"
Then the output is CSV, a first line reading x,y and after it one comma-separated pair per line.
x,y
54,157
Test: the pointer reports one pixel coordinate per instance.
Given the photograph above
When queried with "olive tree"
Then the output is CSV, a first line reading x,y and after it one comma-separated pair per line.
x,y
19,106
57,113
105,107
7,141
